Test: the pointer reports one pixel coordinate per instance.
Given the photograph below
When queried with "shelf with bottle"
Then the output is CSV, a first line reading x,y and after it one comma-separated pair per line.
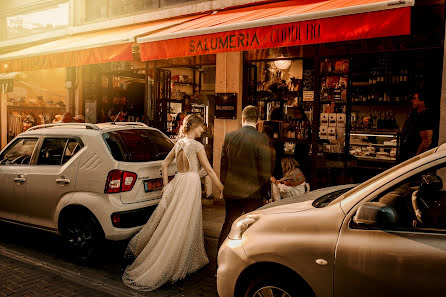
x,y
388,77
296,131
376,97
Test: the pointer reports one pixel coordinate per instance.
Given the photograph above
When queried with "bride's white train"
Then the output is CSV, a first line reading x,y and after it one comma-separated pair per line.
x,y
171,244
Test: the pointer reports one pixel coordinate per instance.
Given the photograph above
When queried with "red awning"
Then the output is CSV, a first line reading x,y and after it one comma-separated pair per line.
x,y
279,24
82,49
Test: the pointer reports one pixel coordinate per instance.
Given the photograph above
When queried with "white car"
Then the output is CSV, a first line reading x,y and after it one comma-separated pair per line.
x,y
84,181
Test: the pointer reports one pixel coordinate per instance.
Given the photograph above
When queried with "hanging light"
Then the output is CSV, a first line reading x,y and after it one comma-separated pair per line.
x,y
282,64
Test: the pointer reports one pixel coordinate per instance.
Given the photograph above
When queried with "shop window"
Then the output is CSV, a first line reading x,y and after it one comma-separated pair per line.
x,y
102,9
164,3
123,7
96,10
19,152
44,20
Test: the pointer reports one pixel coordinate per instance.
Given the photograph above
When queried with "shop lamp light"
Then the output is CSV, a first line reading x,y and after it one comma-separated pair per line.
x,y
282,64
5,66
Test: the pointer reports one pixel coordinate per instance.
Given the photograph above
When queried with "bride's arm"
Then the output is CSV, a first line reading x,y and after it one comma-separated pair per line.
x,y
205,162
165,166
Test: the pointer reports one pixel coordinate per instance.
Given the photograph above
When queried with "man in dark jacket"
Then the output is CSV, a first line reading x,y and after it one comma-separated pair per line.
x,y
245,169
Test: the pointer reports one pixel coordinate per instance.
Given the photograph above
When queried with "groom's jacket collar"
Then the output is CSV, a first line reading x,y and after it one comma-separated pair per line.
x,y
249,127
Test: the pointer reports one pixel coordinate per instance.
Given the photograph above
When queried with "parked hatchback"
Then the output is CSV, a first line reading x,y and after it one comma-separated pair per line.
x,y
84,181
385,237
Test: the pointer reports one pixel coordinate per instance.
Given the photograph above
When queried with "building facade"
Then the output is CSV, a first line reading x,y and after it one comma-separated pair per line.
x,y
333,79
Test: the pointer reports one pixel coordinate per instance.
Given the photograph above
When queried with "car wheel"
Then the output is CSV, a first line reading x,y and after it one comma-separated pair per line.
x,y
82,236
270,284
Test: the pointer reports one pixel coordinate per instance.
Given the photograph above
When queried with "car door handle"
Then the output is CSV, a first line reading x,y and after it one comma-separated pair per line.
x,y
20,180
62,181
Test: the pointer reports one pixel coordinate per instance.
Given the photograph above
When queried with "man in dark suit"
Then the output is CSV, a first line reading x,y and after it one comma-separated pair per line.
x,y
245,169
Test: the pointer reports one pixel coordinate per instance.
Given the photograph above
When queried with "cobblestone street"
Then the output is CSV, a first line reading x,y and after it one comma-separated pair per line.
x,y
33,263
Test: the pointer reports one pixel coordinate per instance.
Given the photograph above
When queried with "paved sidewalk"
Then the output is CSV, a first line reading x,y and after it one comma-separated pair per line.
x,y
20,279
213,218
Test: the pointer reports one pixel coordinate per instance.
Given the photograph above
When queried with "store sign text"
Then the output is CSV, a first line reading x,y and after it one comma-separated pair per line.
x,y
254,38
296,33
219,42
386,23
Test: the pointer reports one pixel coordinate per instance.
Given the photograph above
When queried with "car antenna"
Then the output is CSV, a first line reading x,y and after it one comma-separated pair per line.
x,y
117,116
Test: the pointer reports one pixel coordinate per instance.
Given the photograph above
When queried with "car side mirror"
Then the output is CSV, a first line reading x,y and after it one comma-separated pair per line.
x,y
375,214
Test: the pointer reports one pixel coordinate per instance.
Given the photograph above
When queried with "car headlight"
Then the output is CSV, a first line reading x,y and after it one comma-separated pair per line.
x,y
239,227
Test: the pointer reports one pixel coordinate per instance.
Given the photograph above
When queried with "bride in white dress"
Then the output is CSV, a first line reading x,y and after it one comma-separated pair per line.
x,y
171,244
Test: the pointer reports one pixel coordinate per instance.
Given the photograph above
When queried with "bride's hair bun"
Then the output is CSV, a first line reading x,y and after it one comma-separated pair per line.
x,y
190,122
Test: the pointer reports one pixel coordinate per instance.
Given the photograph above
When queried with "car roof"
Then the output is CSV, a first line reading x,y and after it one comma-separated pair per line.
x,y
83,128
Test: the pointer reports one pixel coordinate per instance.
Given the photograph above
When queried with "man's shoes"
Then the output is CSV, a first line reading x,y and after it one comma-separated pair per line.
x,y
210,197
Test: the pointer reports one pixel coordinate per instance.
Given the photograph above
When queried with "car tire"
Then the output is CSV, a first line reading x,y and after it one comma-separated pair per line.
x,y
82,236
273,284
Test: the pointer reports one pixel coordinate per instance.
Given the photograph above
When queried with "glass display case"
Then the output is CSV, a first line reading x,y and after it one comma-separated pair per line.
x,y
375,146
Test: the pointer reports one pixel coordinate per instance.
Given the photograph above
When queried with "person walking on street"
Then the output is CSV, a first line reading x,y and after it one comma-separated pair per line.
x,y
245,169
416,136
171,244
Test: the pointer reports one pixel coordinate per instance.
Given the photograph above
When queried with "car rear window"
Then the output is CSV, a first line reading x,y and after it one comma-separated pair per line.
x,y
137,145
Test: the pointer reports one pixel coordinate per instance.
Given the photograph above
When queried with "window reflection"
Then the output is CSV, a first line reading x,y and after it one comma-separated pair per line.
x,y
102,9
39,21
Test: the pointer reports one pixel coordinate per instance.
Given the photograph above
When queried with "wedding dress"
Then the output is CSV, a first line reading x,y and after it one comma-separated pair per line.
x,y
171,244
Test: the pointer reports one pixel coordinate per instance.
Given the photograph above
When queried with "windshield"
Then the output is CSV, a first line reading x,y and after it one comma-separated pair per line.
x,y
327,198
379,176
137,145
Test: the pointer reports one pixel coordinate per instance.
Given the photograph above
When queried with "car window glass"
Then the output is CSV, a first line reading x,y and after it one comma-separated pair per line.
x,y
19,152
137,145
72,147
382,175
429,210
52,151
162,145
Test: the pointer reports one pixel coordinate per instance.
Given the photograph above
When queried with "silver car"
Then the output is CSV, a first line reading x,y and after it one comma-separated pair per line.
x,y
84,181
385,237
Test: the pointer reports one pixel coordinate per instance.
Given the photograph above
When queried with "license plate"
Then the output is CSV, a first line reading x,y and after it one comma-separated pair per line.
x,y
153,185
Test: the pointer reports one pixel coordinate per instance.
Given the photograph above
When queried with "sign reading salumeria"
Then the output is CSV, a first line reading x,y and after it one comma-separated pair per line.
x,y
226,105
384,23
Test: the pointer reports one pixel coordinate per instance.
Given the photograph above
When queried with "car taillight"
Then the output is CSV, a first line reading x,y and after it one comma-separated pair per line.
x,y
120,181
129,179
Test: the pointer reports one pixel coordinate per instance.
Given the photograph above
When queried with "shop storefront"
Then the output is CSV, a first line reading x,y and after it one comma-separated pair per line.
x,y
333,80
84,74
31,98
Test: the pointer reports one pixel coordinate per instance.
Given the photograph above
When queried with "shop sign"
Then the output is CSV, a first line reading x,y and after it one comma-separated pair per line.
x,y
308,96
385,23
226,105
